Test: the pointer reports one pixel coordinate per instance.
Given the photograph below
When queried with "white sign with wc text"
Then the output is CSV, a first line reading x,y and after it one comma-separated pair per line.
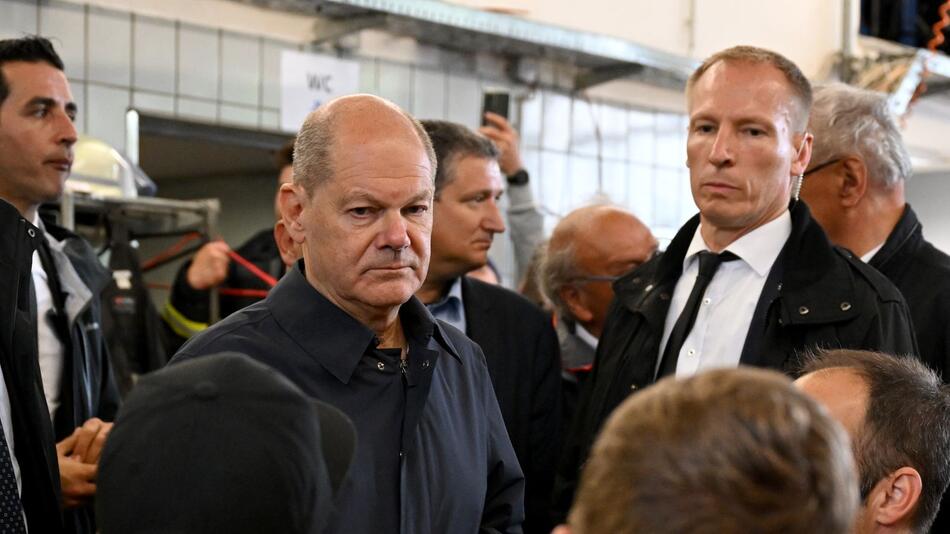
x,y
308,80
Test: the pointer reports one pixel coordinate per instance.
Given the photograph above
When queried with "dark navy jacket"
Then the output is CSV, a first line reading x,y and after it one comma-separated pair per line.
x,y
432,451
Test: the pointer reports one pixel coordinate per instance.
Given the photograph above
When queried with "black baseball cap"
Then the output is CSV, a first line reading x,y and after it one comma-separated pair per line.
x,y
222,443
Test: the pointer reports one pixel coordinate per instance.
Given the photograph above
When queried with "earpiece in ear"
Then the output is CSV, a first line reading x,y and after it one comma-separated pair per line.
x,y
797,189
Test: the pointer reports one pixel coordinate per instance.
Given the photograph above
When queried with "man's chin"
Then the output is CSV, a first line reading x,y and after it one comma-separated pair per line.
x,y
390,294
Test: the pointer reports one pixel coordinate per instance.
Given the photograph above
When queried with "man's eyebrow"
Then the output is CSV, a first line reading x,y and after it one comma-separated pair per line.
x,y
423,196
48,102
357,195
41,101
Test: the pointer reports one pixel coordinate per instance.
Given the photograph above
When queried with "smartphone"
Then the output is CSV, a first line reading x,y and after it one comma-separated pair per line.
x,y
496,102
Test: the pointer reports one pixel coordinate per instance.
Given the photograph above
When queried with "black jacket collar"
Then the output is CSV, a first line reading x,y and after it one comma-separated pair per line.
x,y
908,228
333,337
811,275
18,238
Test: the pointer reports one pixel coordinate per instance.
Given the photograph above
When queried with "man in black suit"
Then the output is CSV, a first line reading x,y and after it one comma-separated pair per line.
x,y
22,391
519,343
752,279
51,339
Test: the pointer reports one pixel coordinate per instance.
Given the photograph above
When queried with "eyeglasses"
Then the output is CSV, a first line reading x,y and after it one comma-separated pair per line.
x,y
822,166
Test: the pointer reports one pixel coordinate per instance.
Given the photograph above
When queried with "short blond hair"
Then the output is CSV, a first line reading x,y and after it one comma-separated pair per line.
x,y
726,451
797,82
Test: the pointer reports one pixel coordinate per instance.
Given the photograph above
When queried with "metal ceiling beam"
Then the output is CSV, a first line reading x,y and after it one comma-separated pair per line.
x,y
601,75
464,28
326,30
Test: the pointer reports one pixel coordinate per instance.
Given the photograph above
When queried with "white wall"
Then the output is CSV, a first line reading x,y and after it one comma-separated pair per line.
x,y
928,194
807,31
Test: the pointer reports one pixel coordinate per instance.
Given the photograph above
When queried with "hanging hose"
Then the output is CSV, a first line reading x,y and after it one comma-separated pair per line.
x,y
939,26
932,45
174,250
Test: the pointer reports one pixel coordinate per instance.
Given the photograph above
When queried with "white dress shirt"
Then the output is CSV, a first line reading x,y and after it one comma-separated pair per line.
x,y
50,348
870,254
586,336
723,320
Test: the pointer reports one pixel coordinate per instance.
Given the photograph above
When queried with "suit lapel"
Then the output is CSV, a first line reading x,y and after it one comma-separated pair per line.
x,y
478,316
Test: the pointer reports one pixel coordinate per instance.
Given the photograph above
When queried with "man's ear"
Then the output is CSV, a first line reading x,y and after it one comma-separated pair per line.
x,y
804,144
292,199
894,499
289,249
854,183
574,302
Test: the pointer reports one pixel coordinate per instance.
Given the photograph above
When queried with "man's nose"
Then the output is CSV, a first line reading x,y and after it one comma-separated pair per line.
x,y
493,221
395,232
66,133
721,153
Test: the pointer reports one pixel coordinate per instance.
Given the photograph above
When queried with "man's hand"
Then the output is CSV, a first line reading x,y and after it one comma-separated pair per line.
x,y
78,458
506,139
90,438
209,267
77,479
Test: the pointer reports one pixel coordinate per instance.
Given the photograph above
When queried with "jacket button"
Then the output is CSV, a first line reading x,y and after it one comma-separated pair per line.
x,y
803,310
425,364
635,280
648,288
32,232
633,387
845,306
664,296
381,366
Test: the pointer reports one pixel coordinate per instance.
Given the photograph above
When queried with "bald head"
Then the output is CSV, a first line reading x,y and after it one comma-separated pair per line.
x,y
351,121
594,241
842,391
603,231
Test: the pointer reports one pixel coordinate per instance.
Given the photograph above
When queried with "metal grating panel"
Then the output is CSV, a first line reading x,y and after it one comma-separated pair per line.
x,y
463,28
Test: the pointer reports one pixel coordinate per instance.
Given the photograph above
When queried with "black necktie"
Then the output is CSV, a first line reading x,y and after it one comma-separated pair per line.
x,y
708,263
11,510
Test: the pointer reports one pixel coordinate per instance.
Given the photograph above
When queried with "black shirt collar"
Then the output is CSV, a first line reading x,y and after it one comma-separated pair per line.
x,y
332,336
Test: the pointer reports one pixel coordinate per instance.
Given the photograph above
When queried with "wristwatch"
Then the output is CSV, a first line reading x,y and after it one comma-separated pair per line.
x,y
518,178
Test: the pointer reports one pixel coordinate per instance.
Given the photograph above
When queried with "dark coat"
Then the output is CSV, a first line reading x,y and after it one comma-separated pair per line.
x,y
577,357
93,391
521,349
455,469
89,388
816,296
922,273
33,434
